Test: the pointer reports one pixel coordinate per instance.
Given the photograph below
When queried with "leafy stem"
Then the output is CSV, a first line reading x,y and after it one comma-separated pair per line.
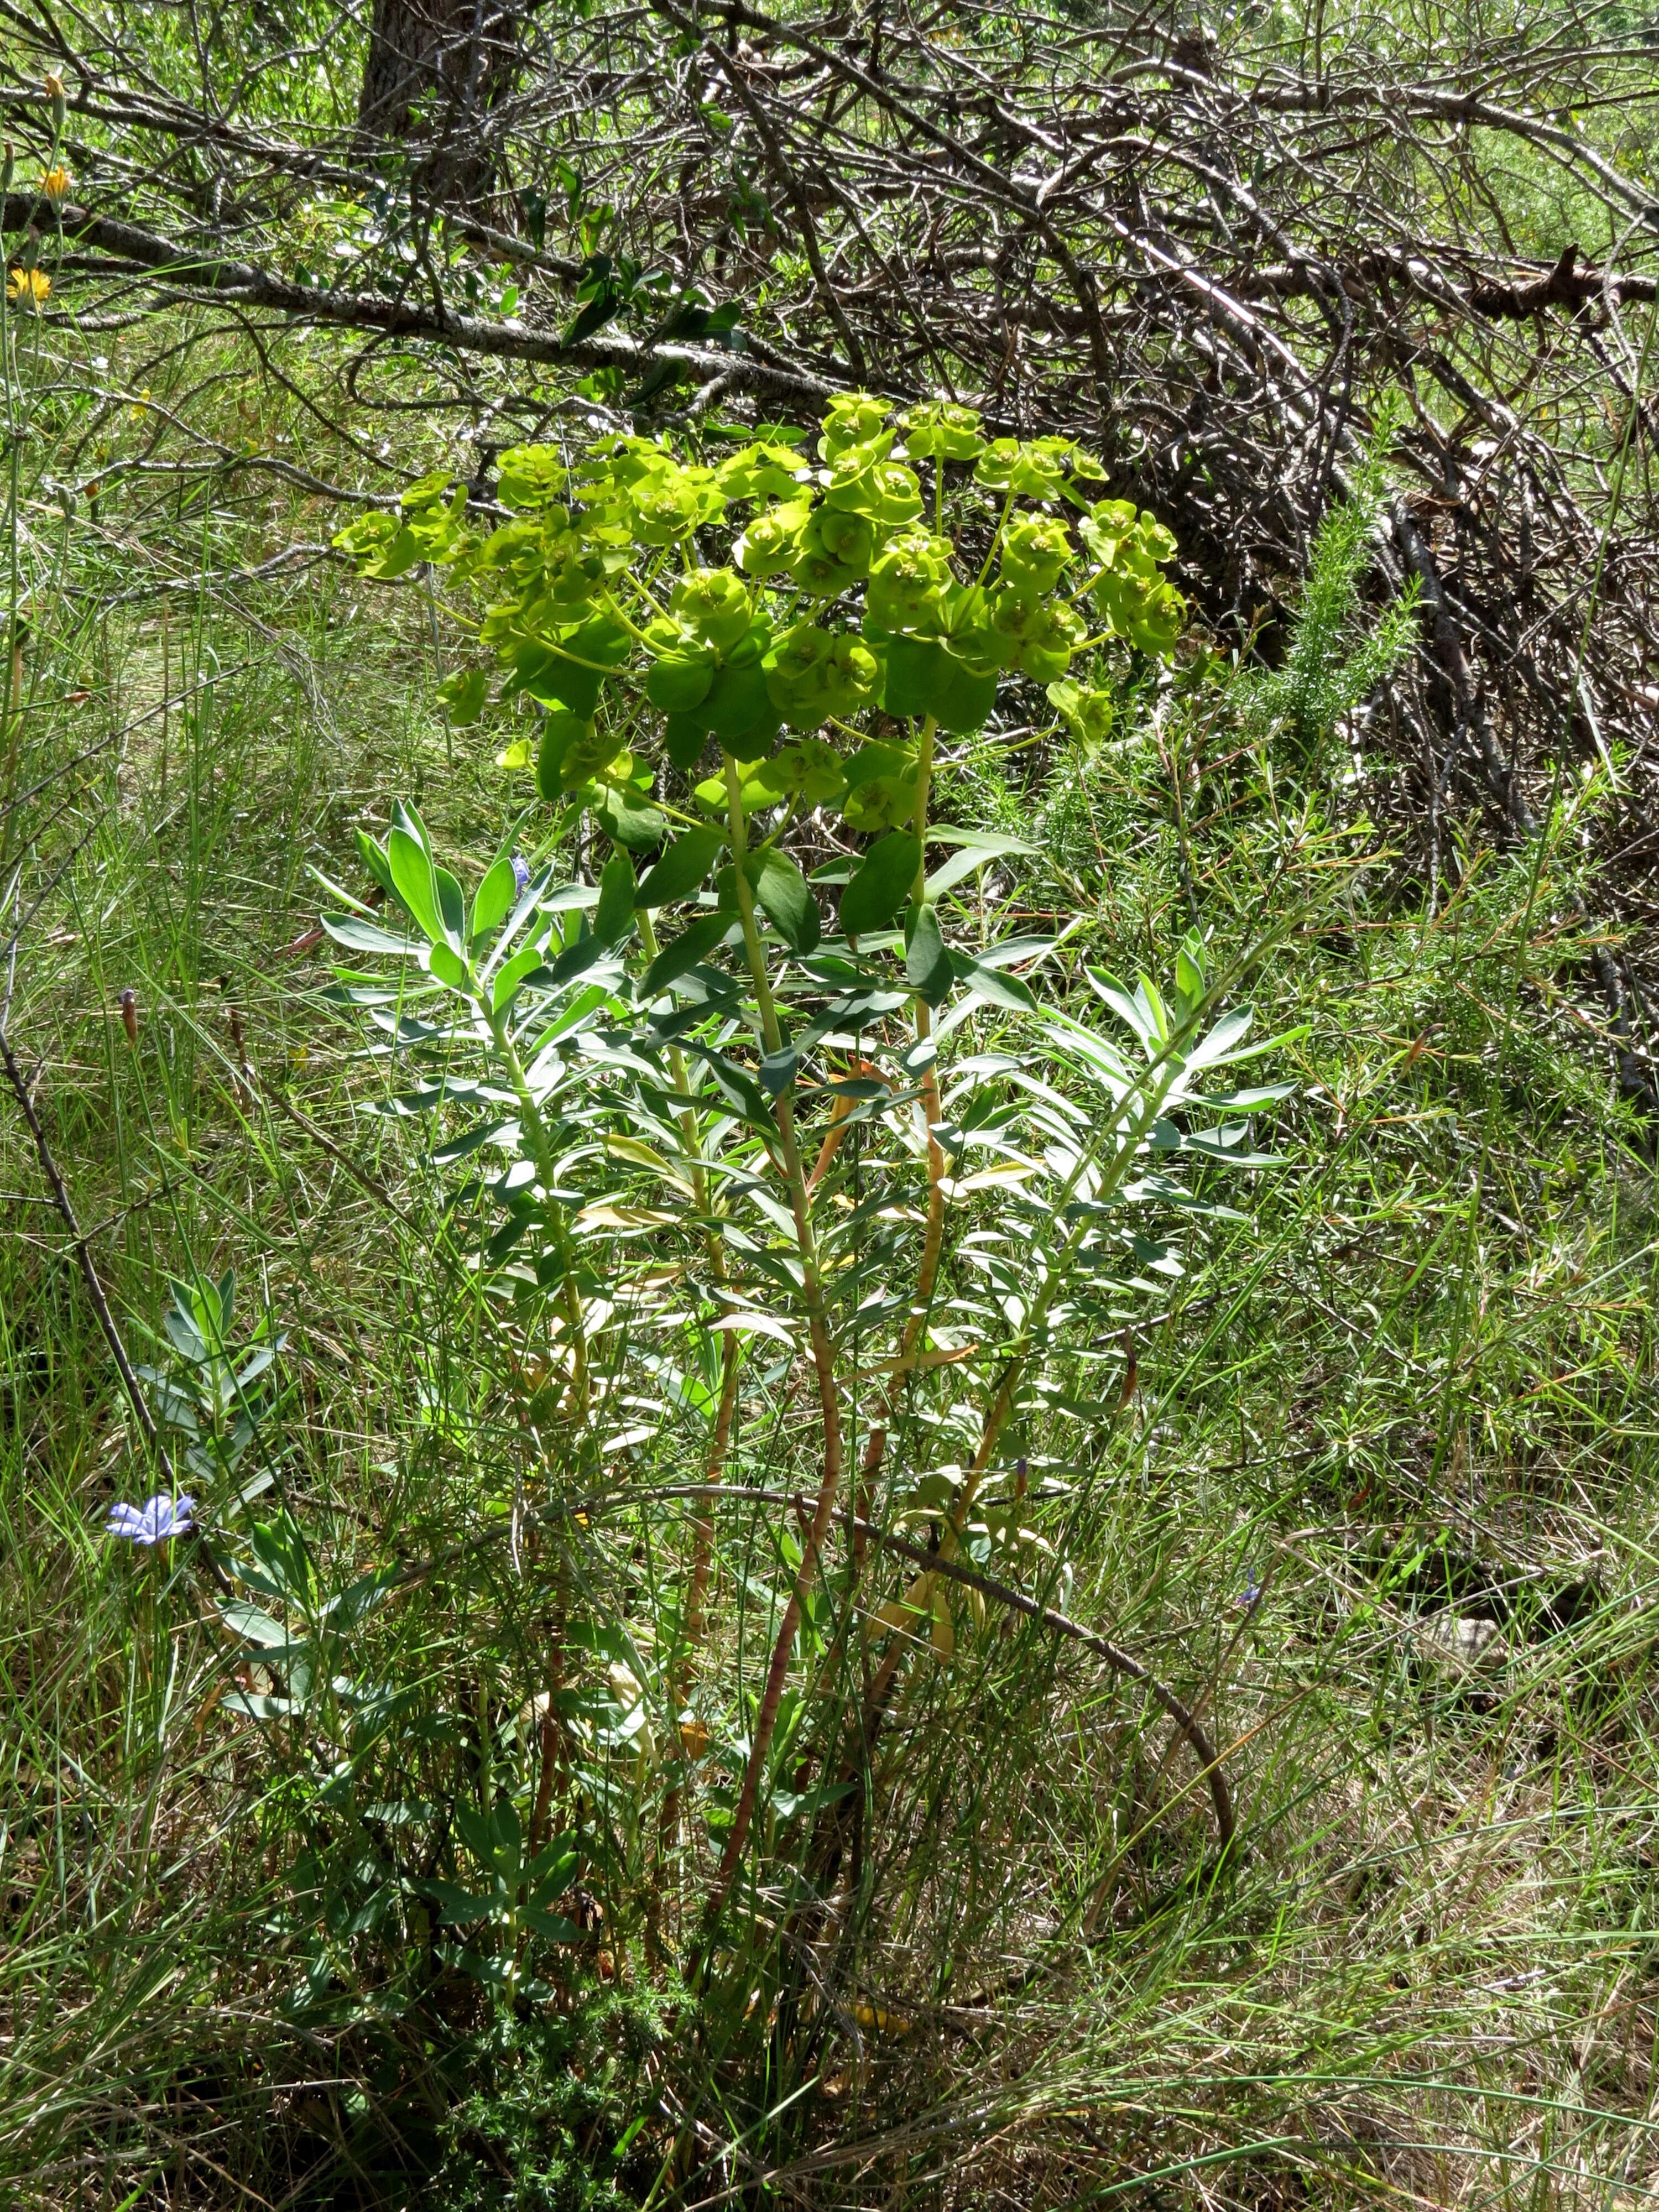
x,y
932,1114
822,1361
694,1625
540,1145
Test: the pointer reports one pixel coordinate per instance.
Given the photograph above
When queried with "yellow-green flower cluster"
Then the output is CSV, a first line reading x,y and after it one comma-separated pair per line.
x,y
650,600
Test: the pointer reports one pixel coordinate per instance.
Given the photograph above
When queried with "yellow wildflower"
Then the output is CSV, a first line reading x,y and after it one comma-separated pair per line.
x,y
55,184
30,287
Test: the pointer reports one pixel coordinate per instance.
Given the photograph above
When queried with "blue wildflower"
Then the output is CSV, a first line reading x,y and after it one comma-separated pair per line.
x,y
1250,1593
153,1521
520,872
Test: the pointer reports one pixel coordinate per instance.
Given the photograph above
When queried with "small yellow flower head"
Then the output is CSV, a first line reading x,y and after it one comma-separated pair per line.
x,y
55,184
31,288
54,91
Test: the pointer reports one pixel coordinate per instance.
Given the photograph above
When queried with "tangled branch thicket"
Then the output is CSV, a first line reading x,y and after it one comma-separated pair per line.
x,y
1207,248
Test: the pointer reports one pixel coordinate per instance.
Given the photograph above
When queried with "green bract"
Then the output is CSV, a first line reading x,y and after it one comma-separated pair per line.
x,y
713,602
739,709
863,481
820,577
765,470
1031,469
1107,524
569,668
925,676
882,787
810,769
1088,714
941,430
908,581
845,535
516,547
1041,634
425,528
531,476
813,673
462,695
680,681
1036,553
854,418
669,503
772,540
425,492
832,552
1147,614
572,573
572,752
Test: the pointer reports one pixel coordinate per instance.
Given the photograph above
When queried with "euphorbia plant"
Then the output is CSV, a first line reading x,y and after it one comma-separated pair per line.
x,y
730,665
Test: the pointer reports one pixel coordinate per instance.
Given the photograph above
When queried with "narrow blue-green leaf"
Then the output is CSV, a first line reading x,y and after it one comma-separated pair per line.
x,y
452,906
367,937
993,985
493,901
252,1626
447,965
412,876
506,986
472,1140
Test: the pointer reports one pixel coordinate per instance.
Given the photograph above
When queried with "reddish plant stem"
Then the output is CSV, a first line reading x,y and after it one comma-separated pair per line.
x,y
824,1365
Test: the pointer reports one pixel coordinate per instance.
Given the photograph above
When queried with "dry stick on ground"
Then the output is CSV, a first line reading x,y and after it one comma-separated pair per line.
x,y
1122,1662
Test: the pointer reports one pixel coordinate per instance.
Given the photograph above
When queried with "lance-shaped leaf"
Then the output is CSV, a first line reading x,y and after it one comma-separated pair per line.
x,y
613,917
928,966
989,983
881,883
375,860
494,899
366,937
458,1907
682,869
415,879
979,849
692,945
787,903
